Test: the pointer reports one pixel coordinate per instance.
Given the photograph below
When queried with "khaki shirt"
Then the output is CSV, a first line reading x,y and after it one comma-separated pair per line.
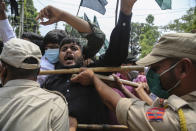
x,y
134,113
24,106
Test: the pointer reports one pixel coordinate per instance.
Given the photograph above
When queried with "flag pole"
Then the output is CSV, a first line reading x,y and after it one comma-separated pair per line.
x,y
79,8
116,15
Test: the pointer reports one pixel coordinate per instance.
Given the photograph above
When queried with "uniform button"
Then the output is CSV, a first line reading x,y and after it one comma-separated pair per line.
x,y
124,24
67,90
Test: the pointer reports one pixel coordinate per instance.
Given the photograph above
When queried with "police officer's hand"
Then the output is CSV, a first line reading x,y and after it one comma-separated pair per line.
x,y
2,10
51,13
143,91
143,87
84,78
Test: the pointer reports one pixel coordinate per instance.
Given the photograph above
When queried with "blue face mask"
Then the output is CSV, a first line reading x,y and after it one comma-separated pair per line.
x,y
52,55
154,83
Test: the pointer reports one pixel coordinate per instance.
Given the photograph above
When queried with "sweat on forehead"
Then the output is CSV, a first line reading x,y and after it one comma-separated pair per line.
x,y
69,41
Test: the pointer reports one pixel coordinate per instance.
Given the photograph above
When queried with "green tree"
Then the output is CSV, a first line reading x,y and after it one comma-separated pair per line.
x,y
149,36
186,23
136,31
143,37
30,24
30,13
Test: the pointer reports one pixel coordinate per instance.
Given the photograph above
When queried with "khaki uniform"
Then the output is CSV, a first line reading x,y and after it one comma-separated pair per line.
x,y
24,106
134,113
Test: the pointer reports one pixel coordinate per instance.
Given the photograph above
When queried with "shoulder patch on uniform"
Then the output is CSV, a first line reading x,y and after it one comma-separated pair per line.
x,y
155,114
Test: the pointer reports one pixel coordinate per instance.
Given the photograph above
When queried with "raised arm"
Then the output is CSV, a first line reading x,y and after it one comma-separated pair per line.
x,y
94,35
119,39
6,31
55,15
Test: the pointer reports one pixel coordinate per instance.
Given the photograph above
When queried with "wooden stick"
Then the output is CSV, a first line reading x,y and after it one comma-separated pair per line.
x,y
101,127
96,69
125,82
107,78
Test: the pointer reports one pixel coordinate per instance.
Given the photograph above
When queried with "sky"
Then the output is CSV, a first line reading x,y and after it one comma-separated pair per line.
x,y
141,10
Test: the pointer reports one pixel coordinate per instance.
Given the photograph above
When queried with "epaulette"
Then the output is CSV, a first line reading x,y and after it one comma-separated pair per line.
x,y
176,102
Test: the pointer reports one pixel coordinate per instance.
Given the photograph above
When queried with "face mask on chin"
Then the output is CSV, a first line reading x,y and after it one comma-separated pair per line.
x,y
154,83
52,55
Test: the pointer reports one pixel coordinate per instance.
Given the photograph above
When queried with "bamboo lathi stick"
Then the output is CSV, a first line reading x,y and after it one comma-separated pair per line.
x,y
101,127
107,78
95,69
125,82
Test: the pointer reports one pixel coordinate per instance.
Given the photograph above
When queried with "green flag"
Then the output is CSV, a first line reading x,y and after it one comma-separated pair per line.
x,y
97,5
164,4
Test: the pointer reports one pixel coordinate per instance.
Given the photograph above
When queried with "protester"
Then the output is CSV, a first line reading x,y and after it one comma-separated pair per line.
x,y
24,106
52,39
84,103
171,76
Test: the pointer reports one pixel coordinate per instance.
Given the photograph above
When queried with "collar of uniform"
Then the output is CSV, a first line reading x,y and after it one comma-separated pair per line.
x,y
191,98
175,102
21,82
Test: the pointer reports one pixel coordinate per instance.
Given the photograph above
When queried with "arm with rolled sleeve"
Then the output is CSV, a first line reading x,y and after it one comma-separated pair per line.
x,y
6,31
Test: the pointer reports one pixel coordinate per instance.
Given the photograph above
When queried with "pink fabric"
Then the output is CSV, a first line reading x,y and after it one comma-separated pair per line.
x,y
130,88
140,78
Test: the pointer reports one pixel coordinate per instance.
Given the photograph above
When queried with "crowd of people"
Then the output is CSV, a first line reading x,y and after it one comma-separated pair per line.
x,y
164,98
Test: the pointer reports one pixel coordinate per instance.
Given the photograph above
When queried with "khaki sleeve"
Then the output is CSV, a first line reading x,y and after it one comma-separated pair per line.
x,y
60,118
132,112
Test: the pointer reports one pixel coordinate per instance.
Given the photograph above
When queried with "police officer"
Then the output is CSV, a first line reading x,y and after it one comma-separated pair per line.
x,y
24,106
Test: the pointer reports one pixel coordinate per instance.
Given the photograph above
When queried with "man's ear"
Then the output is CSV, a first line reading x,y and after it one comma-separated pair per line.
x,y
184,68
3,74
2,68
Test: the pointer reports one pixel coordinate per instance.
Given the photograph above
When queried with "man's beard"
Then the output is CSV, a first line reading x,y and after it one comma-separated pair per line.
x,y
78,64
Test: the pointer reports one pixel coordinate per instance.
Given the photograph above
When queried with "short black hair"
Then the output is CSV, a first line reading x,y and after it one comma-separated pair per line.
x,y
54,36
69,40
35,38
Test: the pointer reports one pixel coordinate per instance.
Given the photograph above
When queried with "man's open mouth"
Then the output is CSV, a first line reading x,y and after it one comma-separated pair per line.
x,y
70,57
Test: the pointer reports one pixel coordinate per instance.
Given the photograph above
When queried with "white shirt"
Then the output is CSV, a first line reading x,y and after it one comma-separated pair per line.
x,y
45,65
6,31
